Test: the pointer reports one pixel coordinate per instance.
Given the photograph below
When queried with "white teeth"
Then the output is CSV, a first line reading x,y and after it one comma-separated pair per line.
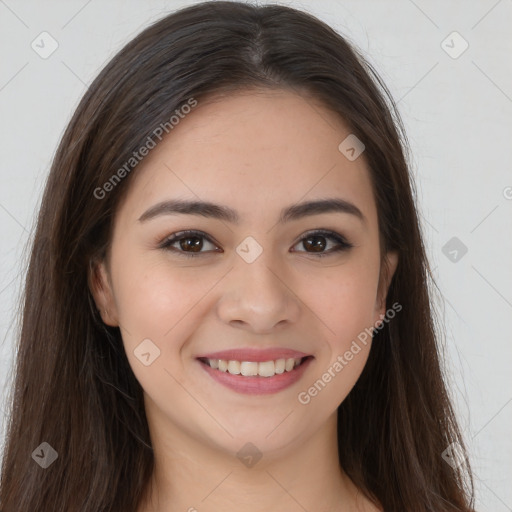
x,y
234,367
250,368
280,366
266,369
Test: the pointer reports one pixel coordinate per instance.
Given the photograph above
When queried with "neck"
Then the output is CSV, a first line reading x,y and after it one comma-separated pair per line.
x,y
191,475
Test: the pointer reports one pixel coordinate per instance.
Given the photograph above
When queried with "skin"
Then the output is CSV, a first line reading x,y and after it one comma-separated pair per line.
x,y
256,152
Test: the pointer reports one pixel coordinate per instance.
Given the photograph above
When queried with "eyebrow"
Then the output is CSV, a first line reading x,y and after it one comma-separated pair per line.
x,y
216,211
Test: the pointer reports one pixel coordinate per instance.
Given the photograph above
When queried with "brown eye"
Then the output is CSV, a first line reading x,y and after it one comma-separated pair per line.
x,y
318,241
195,243
188,243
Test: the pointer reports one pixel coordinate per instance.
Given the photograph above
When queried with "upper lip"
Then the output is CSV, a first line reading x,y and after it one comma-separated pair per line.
x,y
254,354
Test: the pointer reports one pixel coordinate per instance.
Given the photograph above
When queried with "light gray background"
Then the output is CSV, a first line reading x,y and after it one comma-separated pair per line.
x,y
458,114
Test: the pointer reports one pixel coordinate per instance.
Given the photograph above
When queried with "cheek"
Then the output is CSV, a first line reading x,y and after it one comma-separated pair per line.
x,y
159,307
344,299
346,305
157,301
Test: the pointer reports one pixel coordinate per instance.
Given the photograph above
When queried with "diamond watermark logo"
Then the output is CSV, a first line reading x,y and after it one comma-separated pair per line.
x,y
44,45
453,455
146,352
454,249
44,455
249,249
249,455
454,45
351,147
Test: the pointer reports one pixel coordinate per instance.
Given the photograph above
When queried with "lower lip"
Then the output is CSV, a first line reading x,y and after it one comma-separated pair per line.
x,y
257,385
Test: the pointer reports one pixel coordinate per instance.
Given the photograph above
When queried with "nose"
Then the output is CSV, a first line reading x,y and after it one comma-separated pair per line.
x,y
258,297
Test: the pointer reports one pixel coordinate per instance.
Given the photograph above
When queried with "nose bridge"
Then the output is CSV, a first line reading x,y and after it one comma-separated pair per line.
x,y
257,294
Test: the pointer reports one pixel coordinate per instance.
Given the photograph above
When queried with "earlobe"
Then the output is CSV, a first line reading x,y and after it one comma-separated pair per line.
x,y
101,290
389,267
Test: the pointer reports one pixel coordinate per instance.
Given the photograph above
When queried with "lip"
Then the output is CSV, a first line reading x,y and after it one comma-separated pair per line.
x,y
257,385
254,355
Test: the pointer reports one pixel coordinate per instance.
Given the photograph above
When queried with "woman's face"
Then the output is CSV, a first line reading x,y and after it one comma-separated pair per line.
x,y
255,278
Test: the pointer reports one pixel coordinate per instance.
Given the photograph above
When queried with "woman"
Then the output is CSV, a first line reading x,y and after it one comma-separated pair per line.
x,y
227,302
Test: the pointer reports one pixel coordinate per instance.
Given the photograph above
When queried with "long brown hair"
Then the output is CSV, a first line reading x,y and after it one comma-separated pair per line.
x,y
73,386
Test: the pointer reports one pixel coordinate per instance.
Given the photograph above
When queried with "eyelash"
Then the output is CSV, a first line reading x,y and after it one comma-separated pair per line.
x,y
343,245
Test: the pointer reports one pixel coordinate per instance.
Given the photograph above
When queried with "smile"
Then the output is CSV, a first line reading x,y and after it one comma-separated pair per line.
x,y
252,368
252,377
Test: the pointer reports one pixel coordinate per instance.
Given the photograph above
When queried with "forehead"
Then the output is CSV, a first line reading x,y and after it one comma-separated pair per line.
x,y
255,151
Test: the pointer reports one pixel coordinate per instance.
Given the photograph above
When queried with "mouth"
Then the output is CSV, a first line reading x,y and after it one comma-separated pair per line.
x,y
263,369
256,378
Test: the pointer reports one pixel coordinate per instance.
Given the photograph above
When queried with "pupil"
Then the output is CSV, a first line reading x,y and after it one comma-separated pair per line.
x,y
318,246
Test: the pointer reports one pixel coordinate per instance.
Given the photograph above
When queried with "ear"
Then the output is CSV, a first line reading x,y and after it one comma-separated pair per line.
x,y
101,289
387,271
